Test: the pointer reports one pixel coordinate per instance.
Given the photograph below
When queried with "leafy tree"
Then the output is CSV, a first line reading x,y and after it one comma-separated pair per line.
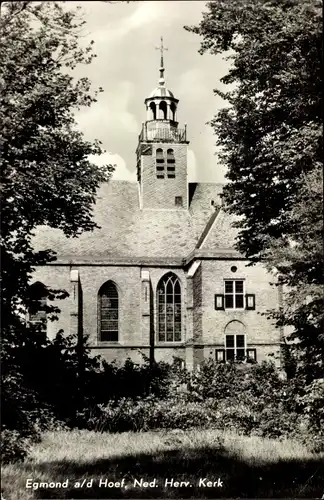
x,y
46,175
270,136
47,178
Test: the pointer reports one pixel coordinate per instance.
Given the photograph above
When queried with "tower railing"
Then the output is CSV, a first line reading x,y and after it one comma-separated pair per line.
x,y
163,134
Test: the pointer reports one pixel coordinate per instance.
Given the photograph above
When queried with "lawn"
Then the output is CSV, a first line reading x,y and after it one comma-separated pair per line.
x,y
209,464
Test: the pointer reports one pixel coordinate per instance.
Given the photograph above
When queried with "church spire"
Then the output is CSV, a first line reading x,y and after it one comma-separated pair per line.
x,y
161,49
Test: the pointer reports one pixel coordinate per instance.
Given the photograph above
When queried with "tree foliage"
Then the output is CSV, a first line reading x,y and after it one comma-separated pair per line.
x,y
47,178
270,136
46,175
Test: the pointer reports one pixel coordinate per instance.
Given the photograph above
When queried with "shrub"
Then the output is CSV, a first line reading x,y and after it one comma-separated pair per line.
x,y
13,446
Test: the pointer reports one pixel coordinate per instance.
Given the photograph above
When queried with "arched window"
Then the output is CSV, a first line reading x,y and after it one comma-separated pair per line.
x,y
169,309
170,164
160,166
108,312
37,305
173,109
163,110
153,110
235,341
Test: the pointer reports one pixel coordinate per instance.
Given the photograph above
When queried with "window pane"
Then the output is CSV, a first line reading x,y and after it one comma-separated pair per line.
x,y
229,340
109,336
239,302
228,286
230,355
239,340
177,309
169,299
240,354
169,336
107,302
228,301
177,336
110,314
239,286
169,308
109,325
177,326
161,337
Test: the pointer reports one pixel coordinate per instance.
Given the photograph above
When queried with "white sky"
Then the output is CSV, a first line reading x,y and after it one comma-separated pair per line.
x,y
126,66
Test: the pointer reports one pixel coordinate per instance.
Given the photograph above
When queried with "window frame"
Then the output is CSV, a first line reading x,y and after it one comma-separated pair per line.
x,y
165,280
234,294
235,347
40,324
100,330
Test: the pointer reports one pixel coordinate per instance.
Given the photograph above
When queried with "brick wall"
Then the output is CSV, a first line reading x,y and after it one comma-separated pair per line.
x,y
138,312
161,193
261,332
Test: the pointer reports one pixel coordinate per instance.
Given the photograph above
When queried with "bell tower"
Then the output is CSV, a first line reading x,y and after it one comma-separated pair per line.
x,y
162,151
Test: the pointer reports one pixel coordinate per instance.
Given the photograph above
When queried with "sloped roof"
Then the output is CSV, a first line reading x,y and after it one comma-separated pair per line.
x,y
126,231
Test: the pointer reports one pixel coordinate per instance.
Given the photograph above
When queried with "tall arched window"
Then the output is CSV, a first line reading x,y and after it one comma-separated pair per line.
x,y
170,164
169,309
159,159
108,312
163,110
153,110
37,305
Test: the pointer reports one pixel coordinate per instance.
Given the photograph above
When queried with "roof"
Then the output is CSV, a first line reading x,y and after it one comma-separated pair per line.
x,y
127,232
161,92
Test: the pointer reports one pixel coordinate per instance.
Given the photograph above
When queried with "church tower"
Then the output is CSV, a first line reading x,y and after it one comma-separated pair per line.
x,y
162,151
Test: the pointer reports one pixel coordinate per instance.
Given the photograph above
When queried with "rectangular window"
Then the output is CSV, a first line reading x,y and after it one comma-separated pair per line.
x,y
235,348
234,294
178,201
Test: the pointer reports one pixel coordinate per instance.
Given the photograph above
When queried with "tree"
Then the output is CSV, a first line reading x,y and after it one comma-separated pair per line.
x,y
270,136
47,178
46,175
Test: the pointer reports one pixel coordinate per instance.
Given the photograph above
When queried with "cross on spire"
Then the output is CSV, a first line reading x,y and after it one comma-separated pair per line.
x,y
161,49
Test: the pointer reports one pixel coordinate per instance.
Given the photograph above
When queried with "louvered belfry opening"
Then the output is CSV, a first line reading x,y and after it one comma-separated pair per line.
x,y
169,309
108,312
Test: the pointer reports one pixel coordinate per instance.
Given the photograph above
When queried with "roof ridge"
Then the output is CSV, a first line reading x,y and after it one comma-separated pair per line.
x,y
208,226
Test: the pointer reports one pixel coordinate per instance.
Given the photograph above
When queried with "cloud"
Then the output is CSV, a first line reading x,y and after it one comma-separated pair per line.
x,y
110,116
121,173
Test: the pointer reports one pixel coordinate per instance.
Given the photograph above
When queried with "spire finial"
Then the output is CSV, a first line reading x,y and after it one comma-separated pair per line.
x,y
161,49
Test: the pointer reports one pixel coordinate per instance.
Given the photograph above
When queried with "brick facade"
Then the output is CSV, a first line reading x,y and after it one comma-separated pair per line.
x,y
203,327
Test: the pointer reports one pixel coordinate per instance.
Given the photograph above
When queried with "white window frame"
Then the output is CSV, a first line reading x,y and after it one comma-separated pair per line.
x,y
235,348
233,294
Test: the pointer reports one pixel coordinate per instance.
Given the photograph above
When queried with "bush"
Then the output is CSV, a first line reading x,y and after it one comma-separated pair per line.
x,y
147,414
13,446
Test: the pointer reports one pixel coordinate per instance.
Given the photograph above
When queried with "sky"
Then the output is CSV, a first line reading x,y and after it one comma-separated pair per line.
x,y
125,38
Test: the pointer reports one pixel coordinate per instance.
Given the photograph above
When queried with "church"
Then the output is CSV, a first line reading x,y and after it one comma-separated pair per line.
x,y
161,277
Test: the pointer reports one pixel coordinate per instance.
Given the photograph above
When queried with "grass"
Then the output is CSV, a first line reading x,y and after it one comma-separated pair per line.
x,y
247,467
